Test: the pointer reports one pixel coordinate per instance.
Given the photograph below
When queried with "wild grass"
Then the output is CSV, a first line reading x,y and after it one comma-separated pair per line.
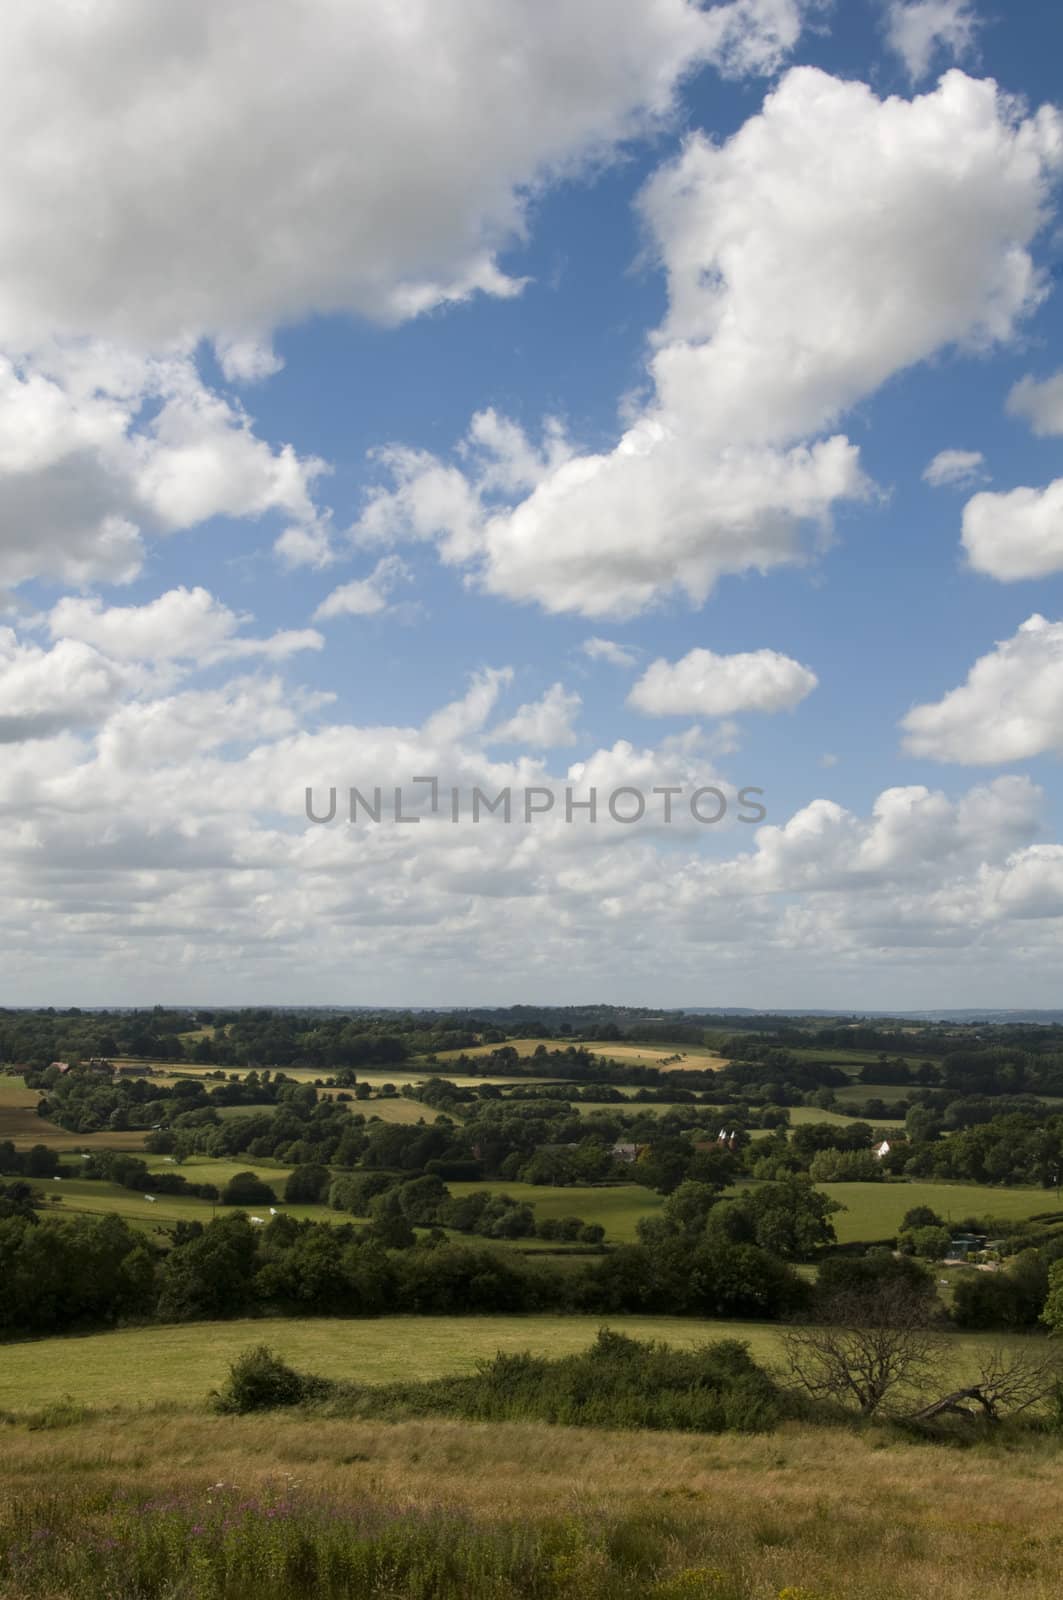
x,y
170,1507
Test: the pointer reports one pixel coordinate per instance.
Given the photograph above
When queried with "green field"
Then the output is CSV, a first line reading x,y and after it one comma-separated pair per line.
x,y
874,1210
838,1057
857,1093
143,1366
802,1115
617,1208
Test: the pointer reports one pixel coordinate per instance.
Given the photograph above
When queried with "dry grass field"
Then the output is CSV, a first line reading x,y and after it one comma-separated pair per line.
x,y
20,1123
800,1514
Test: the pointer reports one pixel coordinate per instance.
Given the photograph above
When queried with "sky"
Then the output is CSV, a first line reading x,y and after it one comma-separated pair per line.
x,y
543,397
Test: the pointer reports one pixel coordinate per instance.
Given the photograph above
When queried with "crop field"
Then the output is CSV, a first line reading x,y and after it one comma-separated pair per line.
x,y
523,1047
180,1364
416,1071
874,1210
691,1057
20,1123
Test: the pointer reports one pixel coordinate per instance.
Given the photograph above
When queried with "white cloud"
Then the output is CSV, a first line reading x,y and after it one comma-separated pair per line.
x,y
919,30
45,692
1041,403
97,446
1018,534
191,859
930,206
704,684
958,469
183,624
1010,708
607,650
365,597
172,172
544,724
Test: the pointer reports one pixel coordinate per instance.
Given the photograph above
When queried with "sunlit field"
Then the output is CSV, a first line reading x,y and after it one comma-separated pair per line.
x,y
179,1364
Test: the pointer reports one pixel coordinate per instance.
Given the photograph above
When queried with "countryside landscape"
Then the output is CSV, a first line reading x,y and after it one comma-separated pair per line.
x,y
644,1277
531,834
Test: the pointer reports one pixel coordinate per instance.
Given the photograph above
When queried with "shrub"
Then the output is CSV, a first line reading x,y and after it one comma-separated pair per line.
x,y
260,1381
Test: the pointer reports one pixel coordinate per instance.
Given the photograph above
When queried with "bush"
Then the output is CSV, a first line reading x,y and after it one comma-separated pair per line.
x,y
618,1383
260,1381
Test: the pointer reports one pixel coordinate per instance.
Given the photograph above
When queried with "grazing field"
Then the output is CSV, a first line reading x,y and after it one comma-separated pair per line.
x,y
856,1093
856,1059
800,1115
618,1208
180,1364
874,1210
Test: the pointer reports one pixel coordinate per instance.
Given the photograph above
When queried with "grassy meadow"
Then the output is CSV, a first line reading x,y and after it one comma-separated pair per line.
x,y
277,1507
178,1504
874,1210
178,1365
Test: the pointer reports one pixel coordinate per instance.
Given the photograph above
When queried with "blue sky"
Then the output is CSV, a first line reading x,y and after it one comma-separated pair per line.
x,y
756,265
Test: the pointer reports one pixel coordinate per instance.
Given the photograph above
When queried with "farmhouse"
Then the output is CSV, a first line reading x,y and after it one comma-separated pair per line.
x,y
881,1149
628,1152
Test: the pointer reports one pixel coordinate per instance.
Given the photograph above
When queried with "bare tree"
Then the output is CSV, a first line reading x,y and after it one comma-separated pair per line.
x,y
878,1351
1010,1381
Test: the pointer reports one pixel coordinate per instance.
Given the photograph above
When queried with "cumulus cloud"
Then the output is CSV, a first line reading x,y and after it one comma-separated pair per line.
x,y
608,650
44,692
1040,403
365,597
704,684
544,724
920,30
98,447
188,624
176,172
955,469
1010,707
192,842
1017,534
930,206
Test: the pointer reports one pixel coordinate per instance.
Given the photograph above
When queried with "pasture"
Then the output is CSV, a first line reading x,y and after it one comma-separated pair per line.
x,y
617,1207
800,1116
179,1364
874,1210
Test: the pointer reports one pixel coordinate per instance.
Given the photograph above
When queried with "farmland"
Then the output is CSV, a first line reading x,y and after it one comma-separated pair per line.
x,y
874,1210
